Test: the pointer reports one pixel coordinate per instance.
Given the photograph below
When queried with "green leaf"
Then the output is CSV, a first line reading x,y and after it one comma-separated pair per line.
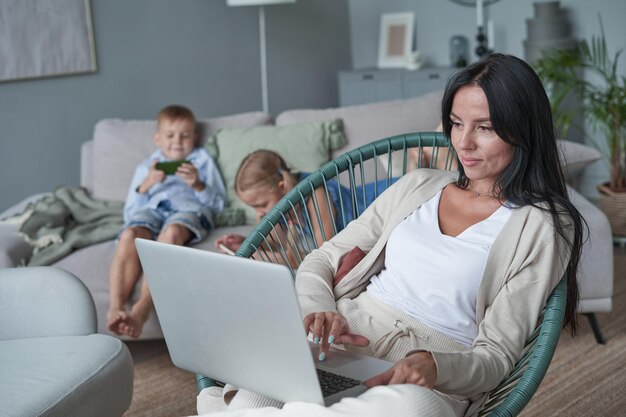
x,y
602,100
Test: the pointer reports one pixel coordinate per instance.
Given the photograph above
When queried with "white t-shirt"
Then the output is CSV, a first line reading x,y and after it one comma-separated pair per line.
x,y
434,277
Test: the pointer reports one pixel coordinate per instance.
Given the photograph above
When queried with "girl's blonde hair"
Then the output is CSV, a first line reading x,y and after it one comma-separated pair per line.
x,y
263,169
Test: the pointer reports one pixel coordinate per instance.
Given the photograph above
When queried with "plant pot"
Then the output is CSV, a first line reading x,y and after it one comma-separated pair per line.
x,y
613,204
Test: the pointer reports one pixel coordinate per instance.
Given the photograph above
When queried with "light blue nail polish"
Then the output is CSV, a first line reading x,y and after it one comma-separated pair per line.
x,y
316,340
322,356
331,339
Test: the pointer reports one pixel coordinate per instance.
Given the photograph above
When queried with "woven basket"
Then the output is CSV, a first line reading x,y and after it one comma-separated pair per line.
x,y
614,206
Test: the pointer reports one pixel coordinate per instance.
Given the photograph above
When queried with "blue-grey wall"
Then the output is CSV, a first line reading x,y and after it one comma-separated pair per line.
x,y
150,53
437,21
206,55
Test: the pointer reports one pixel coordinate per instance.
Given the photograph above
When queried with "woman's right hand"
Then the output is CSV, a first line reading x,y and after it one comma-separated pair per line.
x,y
331,327
232,242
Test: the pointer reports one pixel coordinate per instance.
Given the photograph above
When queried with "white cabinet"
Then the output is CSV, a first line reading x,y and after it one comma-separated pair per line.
x,y
367,86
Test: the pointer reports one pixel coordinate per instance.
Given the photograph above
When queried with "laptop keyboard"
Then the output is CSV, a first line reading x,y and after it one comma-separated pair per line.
x,y
333,383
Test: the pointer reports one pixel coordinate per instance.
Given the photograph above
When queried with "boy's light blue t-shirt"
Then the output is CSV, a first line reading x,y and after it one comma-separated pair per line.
x,y
173,189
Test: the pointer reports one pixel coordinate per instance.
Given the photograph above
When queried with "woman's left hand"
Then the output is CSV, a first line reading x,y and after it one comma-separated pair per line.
x,y
418,368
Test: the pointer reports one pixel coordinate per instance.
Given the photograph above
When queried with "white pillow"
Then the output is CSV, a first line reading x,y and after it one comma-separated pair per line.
x,y
576,156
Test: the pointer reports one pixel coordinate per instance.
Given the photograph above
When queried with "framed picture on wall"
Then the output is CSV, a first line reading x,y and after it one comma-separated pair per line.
x,y
395,41
45,39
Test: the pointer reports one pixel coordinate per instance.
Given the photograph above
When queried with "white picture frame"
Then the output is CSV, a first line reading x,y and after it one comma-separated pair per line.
x,y
395,41
43,39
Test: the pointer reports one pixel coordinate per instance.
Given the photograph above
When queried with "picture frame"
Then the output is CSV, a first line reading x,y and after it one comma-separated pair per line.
x,y
395,42
44,39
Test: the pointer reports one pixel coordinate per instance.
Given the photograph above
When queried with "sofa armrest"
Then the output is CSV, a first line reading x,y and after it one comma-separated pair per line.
x,y
86,165
367,122
14,250
595,274
43,302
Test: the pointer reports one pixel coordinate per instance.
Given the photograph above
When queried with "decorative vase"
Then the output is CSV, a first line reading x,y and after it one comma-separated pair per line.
x,y
550,28
613,204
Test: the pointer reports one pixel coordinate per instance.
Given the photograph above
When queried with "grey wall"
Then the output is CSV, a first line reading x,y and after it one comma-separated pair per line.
x,y
206,55
436,21
150,53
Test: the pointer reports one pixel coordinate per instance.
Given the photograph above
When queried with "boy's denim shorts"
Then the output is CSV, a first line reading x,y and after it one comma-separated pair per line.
x,y
157,219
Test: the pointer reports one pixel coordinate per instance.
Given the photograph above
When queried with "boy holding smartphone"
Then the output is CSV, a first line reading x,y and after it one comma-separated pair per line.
x,y
173,197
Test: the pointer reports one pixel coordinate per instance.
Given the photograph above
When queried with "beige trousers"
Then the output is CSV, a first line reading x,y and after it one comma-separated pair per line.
x,y
392,334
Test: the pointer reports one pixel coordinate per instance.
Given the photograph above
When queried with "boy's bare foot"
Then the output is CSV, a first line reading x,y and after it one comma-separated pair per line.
x,y
132,325
116,318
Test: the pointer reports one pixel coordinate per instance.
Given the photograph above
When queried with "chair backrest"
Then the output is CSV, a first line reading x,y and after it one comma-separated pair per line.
x,y
285,235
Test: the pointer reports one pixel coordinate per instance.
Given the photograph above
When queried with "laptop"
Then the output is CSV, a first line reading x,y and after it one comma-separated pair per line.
x,y
237,320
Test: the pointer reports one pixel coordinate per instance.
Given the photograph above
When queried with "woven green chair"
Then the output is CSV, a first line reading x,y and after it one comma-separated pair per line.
x,y
285,236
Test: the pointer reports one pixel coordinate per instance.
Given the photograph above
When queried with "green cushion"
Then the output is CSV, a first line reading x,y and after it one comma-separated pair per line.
x,y
304,146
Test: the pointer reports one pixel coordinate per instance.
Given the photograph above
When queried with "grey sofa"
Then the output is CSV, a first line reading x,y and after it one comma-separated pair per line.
x,y
108,160
52,361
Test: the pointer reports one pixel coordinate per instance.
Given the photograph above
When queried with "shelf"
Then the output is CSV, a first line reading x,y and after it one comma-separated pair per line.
x,y
368,86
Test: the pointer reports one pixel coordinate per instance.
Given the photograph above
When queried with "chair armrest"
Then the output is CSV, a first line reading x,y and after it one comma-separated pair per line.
x,y
44,301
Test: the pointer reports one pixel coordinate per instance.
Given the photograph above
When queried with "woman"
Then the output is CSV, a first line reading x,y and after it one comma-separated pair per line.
x,y
458,265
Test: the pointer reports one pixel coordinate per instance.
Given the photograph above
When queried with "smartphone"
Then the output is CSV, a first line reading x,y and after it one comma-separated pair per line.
x,y
170,167
226,249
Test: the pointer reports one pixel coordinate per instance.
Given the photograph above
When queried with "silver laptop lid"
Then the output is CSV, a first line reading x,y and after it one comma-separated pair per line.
x,y
230,318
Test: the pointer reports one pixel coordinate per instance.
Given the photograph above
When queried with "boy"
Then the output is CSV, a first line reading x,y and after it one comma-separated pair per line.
x,y
176,208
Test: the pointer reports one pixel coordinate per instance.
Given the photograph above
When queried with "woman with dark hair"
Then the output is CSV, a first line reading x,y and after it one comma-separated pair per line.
x,y
520,115
459,265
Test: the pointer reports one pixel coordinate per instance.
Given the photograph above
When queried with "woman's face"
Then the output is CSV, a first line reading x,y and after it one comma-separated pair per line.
x,y
262,199
483,154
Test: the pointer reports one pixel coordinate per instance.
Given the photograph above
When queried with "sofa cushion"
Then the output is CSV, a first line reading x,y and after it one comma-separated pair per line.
x,y
65,376
120,145
304,146
366,123
91,264
576,156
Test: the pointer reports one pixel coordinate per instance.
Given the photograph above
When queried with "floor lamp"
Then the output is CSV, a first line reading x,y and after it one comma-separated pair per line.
x,y
261,4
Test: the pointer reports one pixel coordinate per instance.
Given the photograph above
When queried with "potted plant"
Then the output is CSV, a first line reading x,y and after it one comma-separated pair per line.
x,y
603,104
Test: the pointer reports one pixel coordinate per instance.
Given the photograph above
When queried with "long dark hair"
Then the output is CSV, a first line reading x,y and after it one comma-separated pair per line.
x,y
520,114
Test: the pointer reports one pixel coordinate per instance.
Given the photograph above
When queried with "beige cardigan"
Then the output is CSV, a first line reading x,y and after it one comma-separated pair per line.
x,y
522,269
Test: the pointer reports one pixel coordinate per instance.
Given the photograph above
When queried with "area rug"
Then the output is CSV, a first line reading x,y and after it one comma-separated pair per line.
x,y
585,378
162,390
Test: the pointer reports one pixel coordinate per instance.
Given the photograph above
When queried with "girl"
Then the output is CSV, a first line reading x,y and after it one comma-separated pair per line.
x,y
263,178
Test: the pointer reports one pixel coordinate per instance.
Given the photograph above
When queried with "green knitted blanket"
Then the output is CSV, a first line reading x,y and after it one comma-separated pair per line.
x,y
70,219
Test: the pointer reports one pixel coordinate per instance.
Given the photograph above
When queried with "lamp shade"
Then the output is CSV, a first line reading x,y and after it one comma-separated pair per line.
x,y
256,2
